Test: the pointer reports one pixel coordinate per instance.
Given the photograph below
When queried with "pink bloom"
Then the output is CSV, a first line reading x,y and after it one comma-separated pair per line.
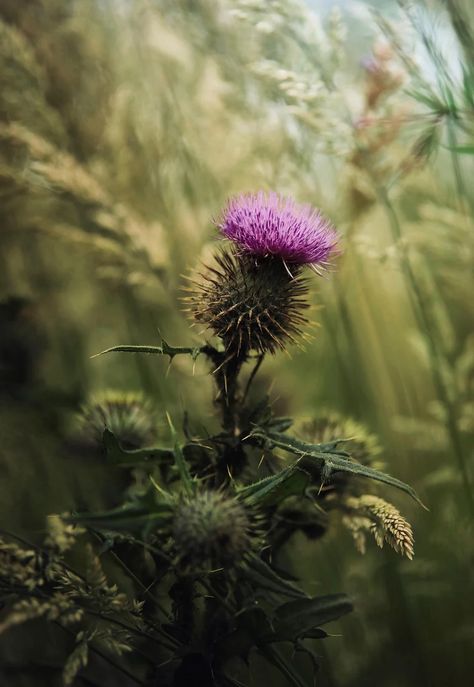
x,y
268,224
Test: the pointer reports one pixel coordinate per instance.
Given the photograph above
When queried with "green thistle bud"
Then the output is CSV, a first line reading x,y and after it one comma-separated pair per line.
x,y
251,302
211,528
127,414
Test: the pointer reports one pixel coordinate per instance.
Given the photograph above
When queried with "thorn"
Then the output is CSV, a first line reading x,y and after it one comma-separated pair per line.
x,y
287,269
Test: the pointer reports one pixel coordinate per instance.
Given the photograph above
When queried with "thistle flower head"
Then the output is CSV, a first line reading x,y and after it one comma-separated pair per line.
x,y
269,224
127,414
211,528
251,302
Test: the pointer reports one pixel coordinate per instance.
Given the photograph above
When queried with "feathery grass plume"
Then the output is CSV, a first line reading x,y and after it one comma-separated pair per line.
x,y
128,415
82,210
213,528
369,513
18,565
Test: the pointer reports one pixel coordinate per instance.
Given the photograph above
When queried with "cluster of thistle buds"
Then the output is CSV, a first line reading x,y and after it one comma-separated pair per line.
x,y
254,297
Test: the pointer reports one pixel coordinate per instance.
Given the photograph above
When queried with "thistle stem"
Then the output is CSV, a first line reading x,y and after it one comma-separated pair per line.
x,y
227,366
252,376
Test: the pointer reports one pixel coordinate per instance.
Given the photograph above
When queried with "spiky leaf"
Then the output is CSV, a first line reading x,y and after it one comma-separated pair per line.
x,y
264,577
329,460
274,489
301,618
132,458
164,349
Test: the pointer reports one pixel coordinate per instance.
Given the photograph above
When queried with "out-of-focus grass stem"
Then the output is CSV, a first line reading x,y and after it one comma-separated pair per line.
x,y
464,199
423,319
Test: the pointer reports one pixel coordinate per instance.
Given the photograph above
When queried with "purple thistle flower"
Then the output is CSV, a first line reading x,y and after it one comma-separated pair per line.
x,y
269,224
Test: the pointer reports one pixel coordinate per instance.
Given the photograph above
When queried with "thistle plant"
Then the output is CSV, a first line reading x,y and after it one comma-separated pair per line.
x,y
199,543
127,415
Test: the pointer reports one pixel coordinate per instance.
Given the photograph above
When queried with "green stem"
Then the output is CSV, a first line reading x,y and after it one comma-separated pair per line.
x,y
227,366
461,189
252,376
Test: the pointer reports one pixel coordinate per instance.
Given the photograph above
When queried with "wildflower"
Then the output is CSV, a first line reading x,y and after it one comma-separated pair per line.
x,y
126,414
211,528
254,297
271,225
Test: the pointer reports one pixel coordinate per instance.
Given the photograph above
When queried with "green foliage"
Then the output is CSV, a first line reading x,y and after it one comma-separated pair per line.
x,y
329,460
121,132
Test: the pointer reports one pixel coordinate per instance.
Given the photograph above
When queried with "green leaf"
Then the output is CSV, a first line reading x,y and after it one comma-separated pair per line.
x,y
251,625
463,150
431,100
301,618
147,512
181,464
262,575
330,461
164,349
274,489
119,456
254,630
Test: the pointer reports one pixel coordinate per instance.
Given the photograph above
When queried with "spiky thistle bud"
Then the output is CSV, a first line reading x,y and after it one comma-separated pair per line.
x,y
255,295
211,528
250,302
127,414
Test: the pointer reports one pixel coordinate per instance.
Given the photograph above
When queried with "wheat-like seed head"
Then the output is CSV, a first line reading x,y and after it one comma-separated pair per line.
x,y
368,513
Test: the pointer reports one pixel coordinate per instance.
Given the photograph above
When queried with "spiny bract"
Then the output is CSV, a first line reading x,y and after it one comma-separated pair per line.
x,y
127,414
211,528
250,302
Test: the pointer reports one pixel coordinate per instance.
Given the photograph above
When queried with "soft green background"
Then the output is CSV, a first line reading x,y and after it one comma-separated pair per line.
x,y
124,126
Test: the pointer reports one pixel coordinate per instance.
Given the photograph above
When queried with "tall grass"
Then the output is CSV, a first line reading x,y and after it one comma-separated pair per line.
x,y
123,128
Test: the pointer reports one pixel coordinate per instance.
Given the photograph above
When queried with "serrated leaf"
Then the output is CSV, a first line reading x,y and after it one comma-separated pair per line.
x,y
263,575
274,489
301,618
331,461
135,457
164,349
132,517
252,624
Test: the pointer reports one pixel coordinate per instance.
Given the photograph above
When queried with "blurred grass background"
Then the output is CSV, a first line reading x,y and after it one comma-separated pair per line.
x,y
124,126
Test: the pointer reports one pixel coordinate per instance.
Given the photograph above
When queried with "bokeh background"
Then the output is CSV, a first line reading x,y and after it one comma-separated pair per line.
x,y
124,126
